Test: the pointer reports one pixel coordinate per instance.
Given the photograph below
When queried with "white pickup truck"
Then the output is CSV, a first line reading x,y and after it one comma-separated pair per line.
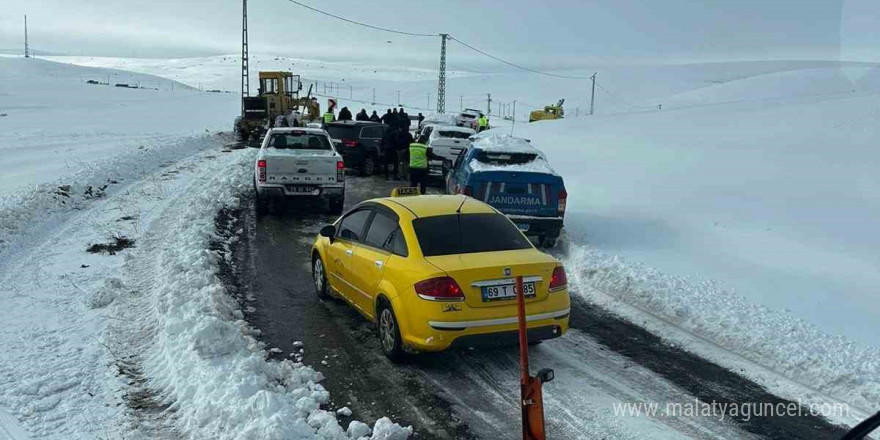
x,y
296,163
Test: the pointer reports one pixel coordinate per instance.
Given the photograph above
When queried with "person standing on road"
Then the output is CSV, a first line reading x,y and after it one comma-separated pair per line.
x,y
421,118
405,123
419,155
362,115
389,152
482,123
329,116
344,114
388,118
375,117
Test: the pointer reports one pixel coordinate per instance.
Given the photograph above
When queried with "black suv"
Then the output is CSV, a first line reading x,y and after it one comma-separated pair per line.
x,y
359,142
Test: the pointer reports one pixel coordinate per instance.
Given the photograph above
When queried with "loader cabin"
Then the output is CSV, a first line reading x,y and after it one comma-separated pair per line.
x,y
278,89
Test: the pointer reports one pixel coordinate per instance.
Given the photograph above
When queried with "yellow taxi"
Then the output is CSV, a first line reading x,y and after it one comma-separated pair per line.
x,y
437,271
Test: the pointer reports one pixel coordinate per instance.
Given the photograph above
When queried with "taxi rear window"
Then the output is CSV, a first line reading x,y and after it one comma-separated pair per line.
x,y
467,233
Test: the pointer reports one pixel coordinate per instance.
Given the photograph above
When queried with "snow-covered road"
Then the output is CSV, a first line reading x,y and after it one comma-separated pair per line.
x,y
604,360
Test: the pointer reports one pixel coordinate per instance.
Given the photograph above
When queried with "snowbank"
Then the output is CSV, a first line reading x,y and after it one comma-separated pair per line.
x,y
750,223
203,360
147,342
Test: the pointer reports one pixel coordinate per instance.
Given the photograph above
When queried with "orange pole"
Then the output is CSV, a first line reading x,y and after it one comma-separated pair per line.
x,y
531,399
523,335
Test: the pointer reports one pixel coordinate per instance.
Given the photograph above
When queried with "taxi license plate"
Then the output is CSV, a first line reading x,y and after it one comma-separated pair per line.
x,y
506,291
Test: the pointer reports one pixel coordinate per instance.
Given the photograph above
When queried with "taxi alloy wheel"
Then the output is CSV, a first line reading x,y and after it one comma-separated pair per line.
x,y
320,278
389,333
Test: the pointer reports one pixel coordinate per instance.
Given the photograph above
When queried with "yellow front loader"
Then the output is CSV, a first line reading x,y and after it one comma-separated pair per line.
x,y
549,112
277,104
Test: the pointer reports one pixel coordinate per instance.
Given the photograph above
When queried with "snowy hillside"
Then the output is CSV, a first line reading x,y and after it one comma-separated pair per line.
x,y
744,212
56,122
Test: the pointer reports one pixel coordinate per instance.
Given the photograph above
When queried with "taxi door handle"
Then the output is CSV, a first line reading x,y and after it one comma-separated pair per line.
x,y
379,263
348,252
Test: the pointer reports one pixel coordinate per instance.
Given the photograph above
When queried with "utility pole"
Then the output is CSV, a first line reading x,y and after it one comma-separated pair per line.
x,y
374,96
513,118
460,103
488,103
593,94
441,83
27,51
429,101
245,81
398,98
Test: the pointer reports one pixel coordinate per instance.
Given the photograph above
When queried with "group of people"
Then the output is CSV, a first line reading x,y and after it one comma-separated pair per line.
x,y
398,145
393,118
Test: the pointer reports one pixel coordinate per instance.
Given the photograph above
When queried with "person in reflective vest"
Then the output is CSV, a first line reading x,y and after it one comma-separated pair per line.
x,y
419,154
329,116
483,123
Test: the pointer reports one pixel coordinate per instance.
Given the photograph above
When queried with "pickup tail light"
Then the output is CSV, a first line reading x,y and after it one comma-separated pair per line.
x,y
563,197
349,143
261,170
340,171
439,289
558,280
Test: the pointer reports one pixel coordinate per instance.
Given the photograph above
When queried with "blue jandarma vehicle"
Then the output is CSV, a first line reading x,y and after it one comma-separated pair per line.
x,y
514,177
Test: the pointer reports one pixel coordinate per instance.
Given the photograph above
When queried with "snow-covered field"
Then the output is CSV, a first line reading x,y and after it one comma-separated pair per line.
x,y
142,342
743,212
737,219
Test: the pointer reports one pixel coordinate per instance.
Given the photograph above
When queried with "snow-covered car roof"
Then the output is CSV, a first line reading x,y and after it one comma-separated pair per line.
x,y
539,165
454,128
311,130
505,143
439,119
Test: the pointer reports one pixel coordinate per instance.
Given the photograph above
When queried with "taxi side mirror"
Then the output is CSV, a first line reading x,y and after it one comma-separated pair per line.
x,y
328,231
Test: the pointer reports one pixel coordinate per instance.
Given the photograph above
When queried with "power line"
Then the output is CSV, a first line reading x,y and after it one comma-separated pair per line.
x,y
617,97
513,64
359,23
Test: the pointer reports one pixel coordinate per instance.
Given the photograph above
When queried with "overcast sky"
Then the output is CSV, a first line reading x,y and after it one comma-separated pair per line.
x,y
555,34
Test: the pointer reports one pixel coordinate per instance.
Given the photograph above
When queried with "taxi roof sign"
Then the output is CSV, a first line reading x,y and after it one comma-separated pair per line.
x,y
406,191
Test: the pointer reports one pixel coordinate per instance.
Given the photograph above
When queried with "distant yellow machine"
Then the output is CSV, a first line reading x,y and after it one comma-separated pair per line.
x,y
549,112
438,271
277,103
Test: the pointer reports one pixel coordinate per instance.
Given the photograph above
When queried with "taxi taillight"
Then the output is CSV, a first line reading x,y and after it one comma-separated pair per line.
x,y
558,280
261,170
439,289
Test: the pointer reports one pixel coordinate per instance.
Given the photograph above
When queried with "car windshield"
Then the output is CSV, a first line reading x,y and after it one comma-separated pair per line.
x,y
299,141
455,134
504,158
467,233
